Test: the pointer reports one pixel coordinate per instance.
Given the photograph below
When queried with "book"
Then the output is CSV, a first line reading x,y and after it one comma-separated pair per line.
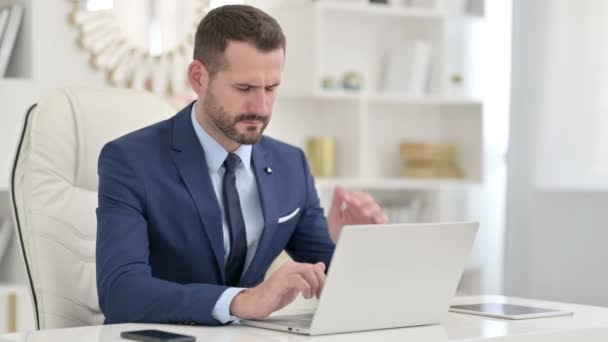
x,y
10,35
397,68
3,21
407,68
421,64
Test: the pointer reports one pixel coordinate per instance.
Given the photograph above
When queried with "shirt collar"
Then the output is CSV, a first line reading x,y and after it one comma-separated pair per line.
x,y
215,154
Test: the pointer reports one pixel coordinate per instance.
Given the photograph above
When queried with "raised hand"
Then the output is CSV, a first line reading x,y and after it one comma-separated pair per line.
x,y
352,208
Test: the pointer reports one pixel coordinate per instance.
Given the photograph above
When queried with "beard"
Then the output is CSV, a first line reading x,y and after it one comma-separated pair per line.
x,y
226,122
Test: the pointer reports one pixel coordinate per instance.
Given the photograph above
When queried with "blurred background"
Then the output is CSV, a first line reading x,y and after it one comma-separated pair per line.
x,y
445,110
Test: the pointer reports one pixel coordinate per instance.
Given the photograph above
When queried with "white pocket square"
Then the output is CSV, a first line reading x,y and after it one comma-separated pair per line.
x,y
290,216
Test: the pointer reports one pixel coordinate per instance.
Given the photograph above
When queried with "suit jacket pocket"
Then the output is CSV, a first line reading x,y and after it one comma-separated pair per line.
x,y
290,216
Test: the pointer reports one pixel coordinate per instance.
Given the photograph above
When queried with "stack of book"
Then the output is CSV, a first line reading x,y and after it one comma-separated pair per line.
x,y
429,160
10,20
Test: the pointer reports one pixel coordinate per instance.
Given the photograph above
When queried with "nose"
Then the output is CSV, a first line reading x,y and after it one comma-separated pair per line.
x,y
259,103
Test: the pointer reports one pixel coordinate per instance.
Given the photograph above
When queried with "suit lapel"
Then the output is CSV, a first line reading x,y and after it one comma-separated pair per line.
x,y
267,189
189,158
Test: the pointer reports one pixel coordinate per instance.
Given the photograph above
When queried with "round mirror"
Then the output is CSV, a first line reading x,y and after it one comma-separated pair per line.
x,y
143,44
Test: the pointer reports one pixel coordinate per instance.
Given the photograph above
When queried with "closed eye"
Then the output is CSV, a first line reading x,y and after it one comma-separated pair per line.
x,y
244,89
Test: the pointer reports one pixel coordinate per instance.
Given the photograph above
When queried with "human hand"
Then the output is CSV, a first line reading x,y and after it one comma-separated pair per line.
x,y
280,289
352,208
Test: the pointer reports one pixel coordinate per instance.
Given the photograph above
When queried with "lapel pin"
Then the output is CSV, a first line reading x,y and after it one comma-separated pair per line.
x,y
268,170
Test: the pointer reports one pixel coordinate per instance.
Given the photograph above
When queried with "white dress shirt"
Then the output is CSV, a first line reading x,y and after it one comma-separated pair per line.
x,y
247,187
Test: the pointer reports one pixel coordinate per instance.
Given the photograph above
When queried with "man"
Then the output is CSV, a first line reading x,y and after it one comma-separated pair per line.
x,y
193,210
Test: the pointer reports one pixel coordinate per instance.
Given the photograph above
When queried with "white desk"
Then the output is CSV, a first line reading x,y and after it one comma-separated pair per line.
x,y
588,324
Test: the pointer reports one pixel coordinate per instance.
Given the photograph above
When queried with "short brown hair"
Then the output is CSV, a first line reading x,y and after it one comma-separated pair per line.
x,y
234,22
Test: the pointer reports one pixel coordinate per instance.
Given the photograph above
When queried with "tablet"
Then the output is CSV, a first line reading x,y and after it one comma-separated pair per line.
x,y
508,311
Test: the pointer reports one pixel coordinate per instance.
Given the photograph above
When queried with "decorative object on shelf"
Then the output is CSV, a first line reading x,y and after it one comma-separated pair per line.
x,y
10,20
455,86
352,80
9,308
12,313
408,67
456,80
429,160
320,152
150,50
329,82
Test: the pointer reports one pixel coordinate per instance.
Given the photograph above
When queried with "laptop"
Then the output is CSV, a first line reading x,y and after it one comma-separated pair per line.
x,y
386,276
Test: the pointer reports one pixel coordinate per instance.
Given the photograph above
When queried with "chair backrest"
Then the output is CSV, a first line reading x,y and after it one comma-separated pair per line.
x,y
54,193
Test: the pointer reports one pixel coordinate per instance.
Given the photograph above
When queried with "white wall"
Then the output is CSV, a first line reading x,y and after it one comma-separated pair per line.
x,y
556,218
489,62
575,101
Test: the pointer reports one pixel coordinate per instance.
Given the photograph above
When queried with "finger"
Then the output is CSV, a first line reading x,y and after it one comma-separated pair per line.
x,y
287,268
339,198
319,271
369,211
298,282
310,277
380,218
365,214
353,201
364,197
375,211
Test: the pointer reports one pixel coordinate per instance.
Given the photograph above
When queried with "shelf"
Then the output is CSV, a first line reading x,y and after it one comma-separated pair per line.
x,y
377,97
432,100
393,183
382,10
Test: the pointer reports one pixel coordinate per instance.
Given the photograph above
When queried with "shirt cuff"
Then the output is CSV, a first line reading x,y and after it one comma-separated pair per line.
x,y
221,310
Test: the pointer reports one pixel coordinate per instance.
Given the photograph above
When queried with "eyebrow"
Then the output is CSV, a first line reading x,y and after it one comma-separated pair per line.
x,y
255,86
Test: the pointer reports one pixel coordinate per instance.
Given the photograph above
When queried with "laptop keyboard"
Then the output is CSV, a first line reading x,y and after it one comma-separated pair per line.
x,y
300,321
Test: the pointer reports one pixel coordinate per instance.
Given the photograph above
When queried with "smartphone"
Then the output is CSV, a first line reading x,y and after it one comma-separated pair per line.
x,y
156,336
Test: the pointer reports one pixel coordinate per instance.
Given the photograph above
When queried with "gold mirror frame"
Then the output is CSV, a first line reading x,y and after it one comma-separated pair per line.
x,y
128,65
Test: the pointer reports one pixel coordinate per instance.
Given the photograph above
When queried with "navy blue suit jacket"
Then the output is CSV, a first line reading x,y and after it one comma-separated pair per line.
x,y
160,254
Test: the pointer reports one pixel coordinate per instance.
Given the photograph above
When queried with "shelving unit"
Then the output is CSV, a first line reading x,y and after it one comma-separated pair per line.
x,y
333,37
17,90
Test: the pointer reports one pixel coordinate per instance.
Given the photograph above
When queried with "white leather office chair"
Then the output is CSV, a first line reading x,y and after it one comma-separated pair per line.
x,y
54,194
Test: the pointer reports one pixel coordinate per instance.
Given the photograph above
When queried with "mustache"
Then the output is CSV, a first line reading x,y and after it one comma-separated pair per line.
x,y
251,117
